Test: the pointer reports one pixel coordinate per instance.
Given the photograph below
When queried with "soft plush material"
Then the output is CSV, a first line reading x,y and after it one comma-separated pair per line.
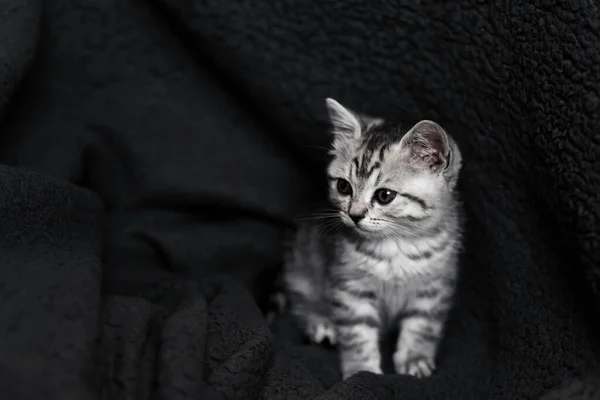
x,y
155,152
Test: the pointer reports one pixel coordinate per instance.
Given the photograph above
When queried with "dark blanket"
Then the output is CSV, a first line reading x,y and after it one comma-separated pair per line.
x,y
155,151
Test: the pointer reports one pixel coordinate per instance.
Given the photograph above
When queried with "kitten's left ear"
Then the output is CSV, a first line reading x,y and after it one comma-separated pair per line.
x,y
347,124
428,142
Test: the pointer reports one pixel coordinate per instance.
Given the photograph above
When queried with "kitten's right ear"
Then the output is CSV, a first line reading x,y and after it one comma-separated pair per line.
x,y
346,125
429,143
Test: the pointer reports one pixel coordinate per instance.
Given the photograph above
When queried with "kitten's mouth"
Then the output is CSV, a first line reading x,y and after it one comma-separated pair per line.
x,y
359,226
356,227
362,230
366,231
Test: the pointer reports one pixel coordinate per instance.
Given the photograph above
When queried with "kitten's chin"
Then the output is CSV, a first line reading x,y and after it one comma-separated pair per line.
x,y
356,230
367,233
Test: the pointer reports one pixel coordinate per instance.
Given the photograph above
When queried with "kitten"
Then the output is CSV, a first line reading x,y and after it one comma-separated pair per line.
x,y
386,254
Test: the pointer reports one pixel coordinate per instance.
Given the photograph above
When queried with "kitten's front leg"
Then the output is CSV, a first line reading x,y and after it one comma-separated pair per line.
x,y
357,327
421,331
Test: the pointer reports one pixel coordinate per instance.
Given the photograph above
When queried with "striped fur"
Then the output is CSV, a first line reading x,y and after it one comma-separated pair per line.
x,y
377,259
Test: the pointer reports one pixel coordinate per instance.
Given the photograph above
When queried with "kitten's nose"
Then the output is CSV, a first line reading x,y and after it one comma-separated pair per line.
x,y
356,218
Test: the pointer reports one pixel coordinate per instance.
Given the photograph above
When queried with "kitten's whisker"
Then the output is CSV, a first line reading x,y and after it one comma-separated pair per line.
x,y
393,234
402,227
411,231
328,227
327,211
320,216
310,146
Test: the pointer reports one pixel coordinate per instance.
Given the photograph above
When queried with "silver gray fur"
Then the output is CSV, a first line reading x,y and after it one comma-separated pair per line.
x,y
356,269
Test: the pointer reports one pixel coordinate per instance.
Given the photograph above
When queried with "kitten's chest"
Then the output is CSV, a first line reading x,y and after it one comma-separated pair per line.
x,y
397,262
394,298
395,276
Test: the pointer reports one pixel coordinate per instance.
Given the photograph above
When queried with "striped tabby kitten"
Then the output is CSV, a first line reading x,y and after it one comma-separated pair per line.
x,y
387,253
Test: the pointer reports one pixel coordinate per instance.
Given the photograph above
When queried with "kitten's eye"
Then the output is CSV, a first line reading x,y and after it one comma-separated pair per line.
x,y
344,187
384,196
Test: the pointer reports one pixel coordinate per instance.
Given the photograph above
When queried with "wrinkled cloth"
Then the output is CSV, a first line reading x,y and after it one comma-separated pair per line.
x,y
154,153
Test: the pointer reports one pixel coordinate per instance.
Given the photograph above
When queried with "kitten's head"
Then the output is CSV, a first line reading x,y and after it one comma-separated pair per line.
x,y
387,182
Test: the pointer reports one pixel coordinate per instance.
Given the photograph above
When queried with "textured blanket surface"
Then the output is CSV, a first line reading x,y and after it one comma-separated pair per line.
x,y
154,152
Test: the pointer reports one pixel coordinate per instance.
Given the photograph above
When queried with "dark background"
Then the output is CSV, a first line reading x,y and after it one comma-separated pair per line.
x,y
156,151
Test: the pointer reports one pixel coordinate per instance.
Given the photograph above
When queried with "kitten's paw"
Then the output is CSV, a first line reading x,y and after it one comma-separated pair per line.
x,y
419,366
278,303
319,331
353,369
279,300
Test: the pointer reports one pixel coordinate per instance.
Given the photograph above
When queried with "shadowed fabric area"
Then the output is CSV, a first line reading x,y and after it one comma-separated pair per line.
x,y
154,152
